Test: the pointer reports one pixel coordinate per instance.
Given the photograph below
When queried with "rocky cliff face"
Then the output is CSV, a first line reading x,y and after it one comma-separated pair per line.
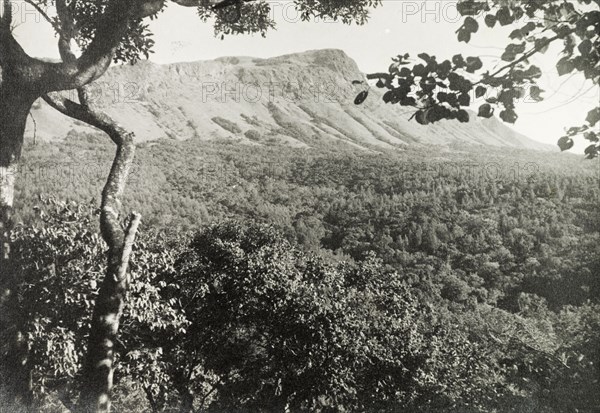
x,y
302,100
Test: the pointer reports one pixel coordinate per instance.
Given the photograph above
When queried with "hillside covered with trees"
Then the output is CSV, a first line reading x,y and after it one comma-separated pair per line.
x,y
466,278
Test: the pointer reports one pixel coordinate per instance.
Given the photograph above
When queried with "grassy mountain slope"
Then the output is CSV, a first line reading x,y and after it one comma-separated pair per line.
x,y
300,100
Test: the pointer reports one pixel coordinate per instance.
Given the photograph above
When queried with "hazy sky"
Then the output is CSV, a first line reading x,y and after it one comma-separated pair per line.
x,y
399,26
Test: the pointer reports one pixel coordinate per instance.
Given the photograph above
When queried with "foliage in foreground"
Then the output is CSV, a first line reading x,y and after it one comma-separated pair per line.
x,y
239,319
445,88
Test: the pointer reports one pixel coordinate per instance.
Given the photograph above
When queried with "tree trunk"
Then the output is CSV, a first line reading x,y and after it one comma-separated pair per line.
x,y
187,402
15,104
98,368
181,381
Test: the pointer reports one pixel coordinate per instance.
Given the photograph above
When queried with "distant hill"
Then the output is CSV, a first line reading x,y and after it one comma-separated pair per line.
x,y
300,100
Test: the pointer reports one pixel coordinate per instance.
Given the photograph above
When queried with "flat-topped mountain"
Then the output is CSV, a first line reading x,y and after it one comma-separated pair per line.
x,y
304,99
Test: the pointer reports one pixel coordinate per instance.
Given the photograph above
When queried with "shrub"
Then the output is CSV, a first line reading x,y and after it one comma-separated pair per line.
x,y
228,125
253,135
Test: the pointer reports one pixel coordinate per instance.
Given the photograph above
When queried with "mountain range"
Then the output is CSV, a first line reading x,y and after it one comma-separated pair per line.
x,y
301,100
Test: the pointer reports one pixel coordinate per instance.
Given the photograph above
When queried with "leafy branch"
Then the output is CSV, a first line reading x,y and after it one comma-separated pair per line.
x,y
443,90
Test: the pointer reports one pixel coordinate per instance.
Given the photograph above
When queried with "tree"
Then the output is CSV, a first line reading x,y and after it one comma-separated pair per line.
x,y
275,329
443,89
98,367
105,31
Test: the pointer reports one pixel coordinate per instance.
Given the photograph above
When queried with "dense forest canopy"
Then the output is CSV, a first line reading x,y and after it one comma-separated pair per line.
x,y
493,254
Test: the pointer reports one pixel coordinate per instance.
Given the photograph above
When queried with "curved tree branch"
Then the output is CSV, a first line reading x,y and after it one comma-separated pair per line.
x,y
98,368
43,13
72,73
527,55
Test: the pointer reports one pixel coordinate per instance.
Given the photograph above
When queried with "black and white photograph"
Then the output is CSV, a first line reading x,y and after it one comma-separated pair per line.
x,y
299,206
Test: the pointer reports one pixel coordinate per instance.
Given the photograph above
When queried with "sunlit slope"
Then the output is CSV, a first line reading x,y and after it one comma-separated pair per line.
x,y
302,100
